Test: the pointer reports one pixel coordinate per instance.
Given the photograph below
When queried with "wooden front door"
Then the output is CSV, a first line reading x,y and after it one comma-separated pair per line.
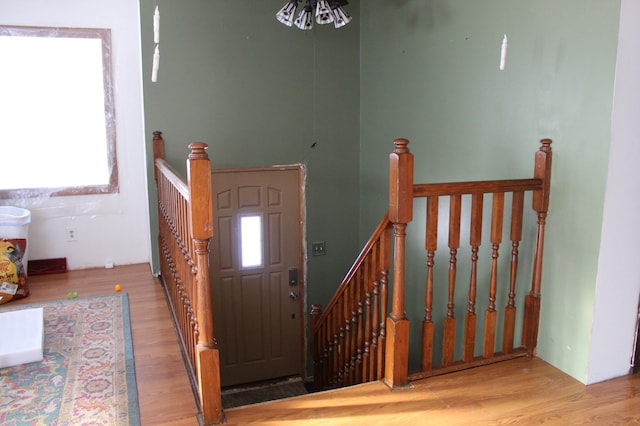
x,y
256,275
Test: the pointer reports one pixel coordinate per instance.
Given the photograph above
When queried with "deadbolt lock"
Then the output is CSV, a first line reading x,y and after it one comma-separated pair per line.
x,y
293,277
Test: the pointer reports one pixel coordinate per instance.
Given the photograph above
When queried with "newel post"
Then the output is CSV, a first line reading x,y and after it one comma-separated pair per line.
x,y
400,213
201,227
158,151
540,204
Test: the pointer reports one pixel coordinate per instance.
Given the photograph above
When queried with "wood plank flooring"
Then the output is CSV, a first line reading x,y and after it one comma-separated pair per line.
x,y
518,392
164,391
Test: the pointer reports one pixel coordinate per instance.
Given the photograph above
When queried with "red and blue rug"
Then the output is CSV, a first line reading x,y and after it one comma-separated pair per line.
x,y
87,376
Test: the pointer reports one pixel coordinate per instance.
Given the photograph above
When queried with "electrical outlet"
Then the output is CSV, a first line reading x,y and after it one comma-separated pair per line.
x,y
72,233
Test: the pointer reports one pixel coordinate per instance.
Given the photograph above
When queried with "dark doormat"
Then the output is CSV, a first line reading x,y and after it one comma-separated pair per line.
x,y
254,393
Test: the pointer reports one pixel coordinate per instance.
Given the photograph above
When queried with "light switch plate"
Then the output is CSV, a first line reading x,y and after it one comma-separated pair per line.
x,y
319,248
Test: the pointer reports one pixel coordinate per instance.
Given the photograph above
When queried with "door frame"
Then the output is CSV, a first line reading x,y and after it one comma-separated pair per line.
x,y
635,356
302,263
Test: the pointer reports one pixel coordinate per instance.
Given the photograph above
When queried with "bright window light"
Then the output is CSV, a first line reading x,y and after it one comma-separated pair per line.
x,y
56,114
251,241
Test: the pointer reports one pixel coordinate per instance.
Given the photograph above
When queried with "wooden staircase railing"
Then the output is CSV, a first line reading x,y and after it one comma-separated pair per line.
x,y
348,338
185,230
343,335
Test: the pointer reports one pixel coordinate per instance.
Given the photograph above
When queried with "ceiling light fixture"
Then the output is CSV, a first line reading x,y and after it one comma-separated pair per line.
x,y
326,12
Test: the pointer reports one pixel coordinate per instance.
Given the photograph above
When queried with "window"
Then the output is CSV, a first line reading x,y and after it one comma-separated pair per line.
x,y
251,241
57,119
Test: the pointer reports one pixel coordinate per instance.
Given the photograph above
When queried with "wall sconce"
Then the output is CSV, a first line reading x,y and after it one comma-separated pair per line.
x,y
326,12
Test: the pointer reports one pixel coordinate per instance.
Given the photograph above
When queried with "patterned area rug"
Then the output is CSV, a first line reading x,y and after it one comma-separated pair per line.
x,y
87,376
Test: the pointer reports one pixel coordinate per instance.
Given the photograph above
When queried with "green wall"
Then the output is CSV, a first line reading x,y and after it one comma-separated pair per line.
x,y
429,72
260,94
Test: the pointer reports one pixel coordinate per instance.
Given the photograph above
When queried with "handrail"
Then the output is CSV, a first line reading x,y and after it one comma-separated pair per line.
x,y
339,340
172,177
477,187
348,338
396,369
357,264
185,229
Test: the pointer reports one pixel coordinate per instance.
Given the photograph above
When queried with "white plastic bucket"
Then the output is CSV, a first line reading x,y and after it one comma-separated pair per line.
x,y
14,223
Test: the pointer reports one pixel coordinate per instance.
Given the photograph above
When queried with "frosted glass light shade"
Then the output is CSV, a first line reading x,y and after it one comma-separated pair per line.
x,y
304,21
287,13
323,12
340,17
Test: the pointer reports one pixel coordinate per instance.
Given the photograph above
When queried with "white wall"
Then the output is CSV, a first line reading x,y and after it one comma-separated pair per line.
x,y
618,281
109,227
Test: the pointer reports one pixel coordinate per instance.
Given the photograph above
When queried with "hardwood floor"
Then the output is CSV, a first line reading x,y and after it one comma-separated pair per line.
x,y
164,392
518,392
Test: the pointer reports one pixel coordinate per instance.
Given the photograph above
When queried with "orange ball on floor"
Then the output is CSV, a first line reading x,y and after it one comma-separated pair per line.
x,y
118,288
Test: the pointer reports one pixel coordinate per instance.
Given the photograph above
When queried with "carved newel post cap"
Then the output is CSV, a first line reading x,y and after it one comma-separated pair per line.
x,y
546,145
198,151
401,145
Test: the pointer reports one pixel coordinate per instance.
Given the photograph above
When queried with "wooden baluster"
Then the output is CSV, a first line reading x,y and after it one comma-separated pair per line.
x,y
382,340
400,213
354,328
353,302
316,345
328,352
431,245
360,344
331,351
346,326
335,355
475,239
384,298
318,365
375,333
366,356
353,337
194,333
333,348
497,215
366,344
449,336
364,316
370,327
360,321
357,328
320,382
346,339
540,204
341,346
517,209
